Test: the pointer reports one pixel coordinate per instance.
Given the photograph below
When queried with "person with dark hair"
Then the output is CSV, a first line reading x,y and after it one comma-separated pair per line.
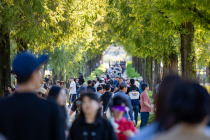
x,y
145,105
112,90
116,81
58,95
77,87
189,113
126,129
90,87
134,94
77,103
62,83
117,88
24,116
165,90
123,90
99,92
120,80
105,98
73,91
90,125
97,83
10,89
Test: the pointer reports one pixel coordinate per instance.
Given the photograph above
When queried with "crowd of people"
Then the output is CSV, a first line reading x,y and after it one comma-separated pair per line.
x,y
104,108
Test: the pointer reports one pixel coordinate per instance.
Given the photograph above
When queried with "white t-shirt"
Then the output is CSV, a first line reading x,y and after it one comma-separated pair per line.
x,y
73,88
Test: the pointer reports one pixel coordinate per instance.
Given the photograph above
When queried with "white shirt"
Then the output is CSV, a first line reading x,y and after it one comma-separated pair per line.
x,y
73,88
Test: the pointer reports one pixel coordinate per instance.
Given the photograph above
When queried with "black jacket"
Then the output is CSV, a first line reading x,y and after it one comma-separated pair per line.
x,y
24,116
105,98
131,88
100,130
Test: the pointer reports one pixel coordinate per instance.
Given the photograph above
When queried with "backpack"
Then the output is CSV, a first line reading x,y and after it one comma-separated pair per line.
x,y
134,94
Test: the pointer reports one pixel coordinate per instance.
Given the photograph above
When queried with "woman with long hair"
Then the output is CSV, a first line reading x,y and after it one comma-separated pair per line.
x,y
188,115
90,125
161,110
58,95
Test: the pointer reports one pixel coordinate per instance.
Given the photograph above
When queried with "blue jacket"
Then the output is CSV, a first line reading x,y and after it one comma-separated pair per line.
x,y
115,82
125,96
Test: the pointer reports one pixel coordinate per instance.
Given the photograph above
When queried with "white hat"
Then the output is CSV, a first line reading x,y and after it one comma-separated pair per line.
x,y
140,78
102,79
134,78
42,90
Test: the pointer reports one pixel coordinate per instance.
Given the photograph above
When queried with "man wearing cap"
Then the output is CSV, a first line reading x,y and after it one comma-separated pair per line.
x,y
24,116
73,91
123,90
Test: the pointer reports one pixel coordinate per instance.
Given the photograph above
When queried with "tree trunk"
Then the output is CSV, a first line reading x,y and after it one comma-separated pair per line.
x,y
55,77
173,67
5,76
139,66
144,69
156,77
165,65
133,61
151,73
187,55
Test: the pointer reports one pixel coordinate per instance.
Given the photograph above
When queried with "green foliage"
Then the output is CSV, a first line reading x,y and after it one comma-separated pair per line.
x,y
130,71
98,71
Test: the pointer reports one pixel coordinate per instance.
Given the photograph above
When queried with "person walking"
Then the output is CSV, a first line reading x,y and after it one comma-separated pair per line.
x,y
99,92
105,98
122,93
134,94
72,90
90,125
77,103
24,116
145,105
90,87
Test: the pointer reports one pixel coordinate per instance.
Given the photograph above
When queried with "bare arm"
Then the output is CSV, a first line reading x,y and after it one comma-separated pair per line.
x,y
148,105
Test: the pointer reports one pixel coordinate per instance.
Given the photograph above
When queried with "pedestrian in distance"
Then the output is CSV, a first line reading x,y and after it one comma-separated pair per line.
x,y
90,125
24,116
134,94
72,92
77,103
90,87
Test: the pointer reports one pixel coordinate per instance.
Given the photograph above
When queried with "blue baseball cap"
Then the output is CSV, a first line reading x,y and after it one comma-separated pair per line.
x,y
24,64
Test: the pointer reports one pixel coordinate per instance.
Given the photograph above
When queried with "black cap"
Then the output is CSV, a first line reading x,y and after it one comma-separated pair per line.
x,y
123,84
24,64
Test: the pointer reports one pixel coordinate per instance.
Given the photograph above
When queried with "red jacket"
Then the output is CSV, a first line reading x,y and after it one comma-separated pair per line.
x,y
124,125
